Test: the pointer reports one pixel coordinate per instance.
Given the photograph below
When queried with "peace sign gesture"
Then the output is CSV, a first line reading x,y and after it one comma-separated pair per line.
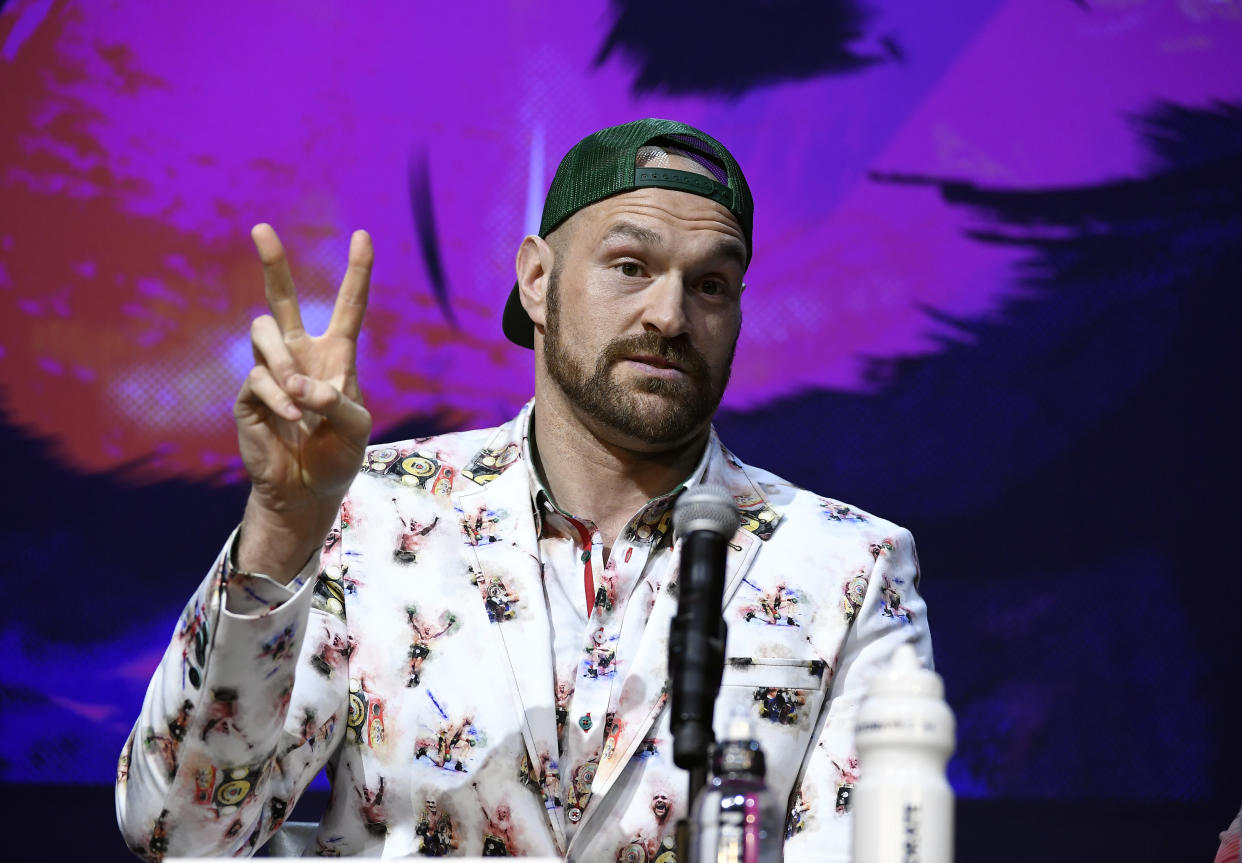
x,y
301,426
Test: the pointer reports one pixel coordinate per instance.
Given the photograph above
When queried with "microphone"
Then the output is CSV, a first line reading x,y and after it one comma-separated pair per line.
x,y
704,519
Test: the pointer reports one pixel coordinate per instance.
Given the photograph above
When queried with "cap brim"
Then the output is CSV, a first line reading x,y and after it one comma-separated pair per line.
x,y
518,326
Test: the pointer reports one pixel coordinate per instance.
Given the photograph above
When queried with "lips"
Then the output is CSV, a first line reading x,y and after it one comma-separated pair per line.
x,y
656,361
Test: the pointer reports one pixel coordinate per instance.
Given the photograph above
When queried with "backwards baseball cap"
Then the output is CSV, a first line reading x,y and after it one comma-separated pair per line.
x,y
607,163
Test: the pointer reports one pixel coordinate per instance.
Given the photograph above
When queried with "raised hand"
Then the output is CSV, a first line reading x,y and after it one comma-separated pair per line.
x,y
301,426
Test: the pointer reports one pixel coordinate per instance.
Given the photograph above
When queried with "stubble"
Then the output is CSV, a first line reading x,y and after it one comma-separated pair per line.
x,y
682,405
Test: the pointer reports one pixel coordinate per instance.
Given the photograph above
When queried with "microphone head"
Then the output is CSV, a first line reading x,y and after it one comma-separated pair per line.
x,y
705,507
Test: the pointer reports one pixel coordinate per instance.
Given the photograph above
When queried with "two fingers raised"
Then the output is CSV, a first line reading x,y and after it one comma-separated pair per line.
x,y
277,381
282,298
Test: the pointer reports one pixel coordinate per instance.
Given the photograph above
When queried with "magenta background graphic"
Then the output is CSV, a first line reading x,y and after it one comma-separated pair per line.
x,y
143,141
992,239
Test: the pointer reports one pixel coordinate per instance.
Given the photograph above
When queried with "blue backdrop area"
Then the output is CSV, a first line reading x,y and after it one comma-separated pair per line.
x,y
1012,239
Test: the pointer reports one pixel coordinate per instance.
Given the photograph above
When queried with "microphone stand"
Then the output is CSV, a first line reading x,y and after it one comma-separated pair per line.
x,y
705,519
696,783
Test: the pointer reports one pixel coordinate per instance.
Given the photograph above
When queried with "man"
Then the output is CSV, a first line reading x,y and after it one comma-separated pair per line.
x,y
477,652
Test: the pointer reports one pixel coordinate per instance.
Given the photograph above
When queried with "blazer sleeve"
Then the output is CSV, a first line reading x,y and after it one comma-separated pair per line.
x,y
248,703
891,613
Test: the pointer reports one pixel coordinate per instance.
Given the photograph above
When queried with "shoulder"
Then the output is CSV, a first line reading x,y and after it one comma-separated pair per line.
x,y
804,512
824,547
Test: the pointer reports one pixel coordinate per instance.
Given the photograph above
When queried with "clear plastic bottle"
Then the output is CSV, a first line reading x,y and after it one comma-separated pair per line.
x,y
736,817
905,733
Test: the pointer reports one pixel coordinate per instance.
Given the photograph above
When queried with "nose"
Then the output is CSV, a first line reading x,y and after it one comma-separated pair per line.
x,y
664,310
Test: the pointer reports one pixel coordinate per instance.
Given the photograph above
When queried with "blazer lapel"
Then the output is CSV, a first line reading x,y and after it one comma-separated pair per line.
x,y
503,554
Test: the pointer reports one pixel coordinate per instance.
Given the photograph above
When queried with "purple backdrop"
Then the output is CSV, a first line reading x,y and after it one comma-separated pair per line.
x,y
996,248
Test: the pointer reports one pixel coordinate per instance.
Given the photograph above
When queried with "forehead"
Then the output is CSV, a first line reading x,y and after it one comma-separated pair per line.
x,y
668,213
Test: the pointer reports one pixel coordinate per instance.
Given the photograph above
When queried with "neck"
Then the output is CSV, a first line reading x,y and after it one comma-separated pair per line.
x,y
593,476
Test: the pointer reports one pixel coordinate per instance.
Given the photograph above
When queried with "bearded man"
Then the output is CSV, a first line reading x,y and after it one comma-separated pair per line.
x,y
545,546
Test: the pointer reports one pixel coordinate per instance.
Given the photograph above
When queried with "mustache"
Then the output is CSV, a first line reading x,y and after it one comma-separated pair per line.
x,y
676,350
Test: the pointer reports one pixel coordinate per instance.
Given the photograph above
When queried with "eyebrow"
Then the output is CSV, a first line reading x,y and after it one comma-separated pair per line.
x,y
731,249
630,231
725,248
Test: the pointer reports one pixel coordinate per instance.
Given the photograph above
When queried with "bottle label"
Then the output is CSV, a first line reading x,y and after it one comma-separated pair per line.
x,y
903,825
751,832
912,832
738,829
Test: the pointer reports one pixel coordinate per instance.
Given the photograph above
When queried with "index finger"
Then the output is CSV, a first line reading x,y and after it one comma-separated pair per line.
x,y
351,299
282,298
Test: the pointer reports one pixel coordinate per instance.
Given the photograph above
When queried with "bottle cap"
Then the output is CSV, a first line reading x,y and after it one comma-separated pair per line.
x,y
739,752
739,729
906,675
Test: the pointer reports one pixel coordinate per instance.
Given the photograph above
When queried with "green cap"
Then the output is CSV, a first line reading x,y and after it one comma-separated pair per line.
x,y
605,163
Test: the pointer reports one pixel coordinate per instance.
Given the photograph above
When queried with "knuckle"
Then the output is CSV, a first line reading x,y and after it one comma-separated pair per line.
x,y
258,379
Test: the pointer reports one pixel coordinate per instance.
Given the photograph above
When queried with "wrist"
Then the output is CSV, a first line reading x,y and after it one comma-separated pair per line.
x,y
278,543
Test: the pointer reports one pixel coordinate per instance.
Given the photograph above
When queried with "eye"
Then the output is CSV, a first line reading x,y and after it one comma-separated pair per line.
x,y
630,269
712,287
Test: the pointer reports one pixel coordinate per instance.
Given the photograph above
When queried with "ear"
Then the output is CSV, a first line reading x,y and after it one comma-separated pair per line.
x,y
535,260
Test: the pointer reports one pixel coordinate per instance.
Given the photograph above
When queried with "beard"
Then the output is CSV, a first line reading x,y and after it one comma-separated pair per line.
x,y
683,406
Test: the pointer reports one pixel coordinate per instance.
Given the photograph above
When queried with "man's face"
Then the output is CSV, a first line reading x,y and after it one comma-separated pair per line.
x,y
643,313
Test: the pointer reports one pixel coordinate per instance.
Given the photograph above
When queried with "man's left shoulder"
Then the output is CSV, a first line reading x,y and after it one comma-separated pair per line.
x,y
801,510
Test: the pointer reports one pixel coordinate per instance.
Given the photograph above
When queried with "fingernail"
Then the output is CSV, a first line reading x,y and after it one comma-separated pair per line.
x,y
296,385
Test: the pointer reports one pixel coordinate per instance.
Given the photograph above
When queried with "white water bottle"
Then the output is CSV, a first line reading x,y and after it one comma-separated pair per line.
x,y
905,733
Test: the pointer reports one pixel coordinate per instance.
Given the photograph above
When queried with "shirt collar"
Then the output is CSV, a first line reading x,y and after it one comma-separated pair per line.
x,y
652,520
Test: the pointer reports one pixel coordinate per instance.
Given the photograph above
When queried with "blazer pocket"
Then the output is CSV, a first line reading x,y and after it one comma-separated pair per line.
x,y
781,694
768,672
782,699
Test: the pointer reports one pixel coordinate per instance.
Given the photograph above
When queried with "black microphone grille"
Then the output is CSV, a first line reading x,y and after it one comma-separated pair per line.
x,y
705,507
